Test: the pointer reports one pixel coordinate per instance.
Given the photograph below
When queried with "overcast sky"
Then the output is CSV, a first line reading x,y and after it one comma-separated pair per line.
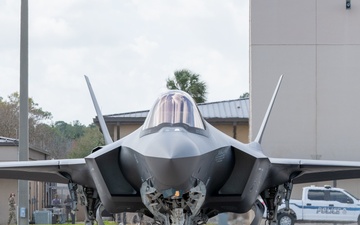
x,y
127,48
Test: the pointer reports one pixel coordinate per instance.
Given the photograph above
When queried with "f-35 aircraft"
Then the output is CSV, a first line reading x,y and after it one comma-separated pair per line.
x,y
179,170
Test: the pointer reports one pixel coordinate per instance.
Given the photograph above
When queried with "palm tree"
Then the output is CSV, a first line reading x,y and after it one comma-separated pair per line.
x,y
245,95
188,81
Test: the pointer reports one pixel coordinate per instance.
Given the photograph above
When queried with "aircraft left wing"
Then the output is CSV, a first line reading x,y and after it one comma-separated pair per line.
x,y
58,171
305,170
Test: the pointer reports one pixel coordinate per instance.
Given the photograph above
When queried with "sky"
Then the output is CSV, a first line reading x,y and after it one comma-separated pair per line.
x,y
127,48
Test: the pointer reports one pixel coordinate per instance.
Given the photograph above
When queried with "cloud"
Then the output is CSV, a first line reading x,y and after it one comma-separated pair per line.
x,y
143,46
127,48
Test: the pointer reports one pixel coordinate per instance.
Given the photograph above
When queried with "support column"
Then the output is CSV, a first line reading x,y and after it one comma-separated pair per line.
x,y
23,186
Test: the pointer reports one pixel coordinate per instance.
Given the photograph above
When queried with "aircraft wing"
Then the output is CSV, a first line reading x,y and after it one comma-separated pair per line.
x,y
305,171
58,171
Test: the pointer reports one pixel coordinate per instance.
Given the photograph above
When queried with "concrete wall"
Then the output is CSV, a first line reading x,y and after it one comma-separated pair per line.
x,y
241,131
316,45
8,153
122,130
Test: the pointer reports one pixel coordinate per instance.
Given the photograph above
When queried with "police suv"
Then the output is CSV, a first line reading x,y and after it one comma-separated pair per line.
x,y
321,204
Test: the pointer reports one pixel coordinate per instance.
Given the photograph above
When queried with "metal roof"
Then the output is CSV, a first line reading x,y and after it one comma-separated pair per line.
x,y
237,108
222,110
5,141
141,114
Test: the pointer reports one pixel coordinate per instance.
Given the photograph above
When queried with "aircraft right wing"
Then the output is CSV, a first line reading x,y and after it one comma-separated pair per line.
x,y
305,170
58,171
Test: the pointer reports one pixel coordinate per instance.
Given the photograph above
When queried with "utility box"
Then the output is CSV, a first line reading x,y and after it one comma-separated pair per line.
x,y
43,217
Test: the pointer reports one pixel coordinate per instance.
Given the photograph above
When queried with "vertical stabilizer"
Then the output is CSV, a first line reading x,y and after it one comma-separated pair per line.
x,y
103,126
266,117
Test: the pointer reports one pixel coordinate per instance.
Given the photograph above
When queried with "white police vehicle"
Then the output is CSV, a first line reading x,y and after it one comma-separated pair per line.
x,y
321,204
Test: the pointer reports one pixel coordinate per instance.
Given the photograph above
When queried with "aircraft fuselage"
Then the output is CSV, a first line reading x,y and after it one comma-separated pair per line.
x,y
173,159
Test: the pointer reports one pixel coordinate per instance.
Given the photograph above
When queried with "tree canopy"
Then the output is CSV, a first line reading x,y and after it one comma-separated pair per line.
x,y
86,143
9,111
189,82
245,95
59,139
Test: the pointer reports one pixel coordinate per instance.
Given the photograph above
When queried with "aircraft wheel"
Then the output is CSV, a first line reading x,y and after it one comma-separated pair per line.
x,y
285,219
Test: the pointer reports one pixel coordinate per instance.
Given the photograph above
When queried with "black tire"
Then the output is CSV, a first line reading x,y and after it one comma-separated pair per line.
x,y
285,219
358,222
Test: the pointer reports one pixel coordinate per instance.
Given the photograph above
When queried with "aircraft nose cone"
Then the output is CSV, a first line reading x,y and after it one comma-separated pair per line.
x,y
172,173
173,161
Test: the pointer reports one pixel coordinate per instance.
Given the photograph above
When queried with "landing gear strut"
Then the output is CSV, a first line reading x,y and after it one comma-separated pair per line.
x,y
93,206
273,198
175,210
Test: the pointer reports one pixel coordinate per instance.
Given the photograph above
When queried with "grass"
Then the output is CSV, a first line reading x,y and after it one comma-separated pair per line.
x,y
82,222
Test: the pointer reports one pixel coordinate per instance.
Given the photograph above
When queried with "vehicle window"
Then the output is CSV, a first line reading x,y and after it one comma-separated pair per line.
x,y
316,195
340,197
351,195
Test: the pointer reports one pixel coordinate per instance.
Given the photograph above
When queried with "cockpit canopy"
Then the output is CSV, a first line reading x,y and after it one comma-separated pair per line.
x,y
174,107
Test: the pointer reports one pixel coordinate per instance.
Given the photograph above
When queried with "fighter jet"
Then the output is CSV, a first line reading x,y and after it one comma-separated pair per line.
x,y
179,170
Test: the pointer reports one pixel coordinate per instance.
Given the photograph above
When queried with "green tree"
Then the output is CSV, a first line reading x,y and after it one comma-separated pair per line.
x,y
245,95
9,123
52,142
56,139
189,82
70,131
91,139
65,136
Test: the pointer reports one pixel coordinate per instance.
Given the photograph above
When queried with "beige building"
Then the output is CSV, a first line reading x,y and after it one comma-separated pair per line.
x,y
316,45
231,117
37,190
40,193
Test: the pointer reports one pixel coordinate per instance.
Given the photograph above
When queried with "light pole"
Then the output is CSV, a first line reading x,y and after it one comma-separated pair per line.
x,y
23,186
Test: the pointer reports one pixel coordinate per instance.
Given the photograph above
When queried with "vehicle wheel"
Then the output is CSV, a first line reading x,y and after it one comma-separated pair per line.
x,y
285,219
359,220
